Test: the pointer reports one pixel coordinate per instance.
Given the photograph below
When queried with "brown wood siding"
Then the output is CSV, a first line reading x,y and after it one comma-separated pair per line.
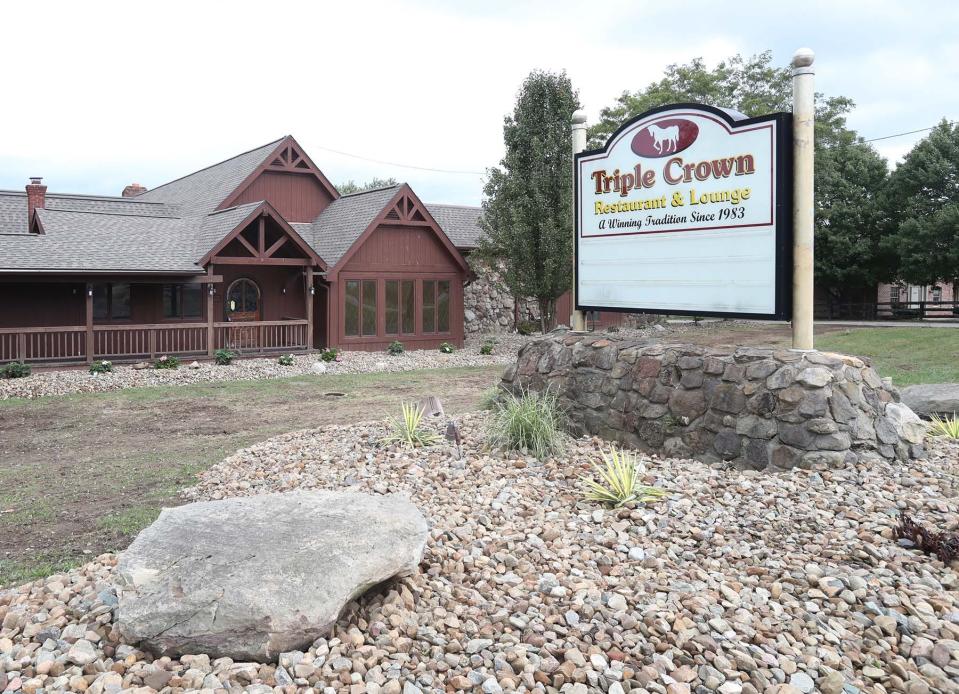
x,y
412,249
32,305
396,252
297,197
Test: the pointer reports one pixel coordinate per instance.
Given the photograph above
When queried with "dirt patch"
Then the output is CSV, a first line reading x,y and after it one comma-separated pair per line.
x,y
80,475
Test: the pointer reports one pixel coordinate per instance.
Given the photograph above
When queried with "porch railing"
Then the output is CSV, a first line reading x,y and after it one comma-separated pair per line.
x,y
63,344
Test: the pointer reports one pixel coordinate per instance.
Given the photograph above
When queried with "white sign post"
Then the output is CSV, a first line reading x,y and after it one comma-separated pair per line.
x,y
577,320
687,210
804,114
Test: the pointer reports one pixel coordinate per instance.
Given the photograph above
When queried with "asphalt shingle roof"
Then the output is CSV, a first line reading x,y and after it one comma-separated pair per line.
x,y
170,228
460,222
344,221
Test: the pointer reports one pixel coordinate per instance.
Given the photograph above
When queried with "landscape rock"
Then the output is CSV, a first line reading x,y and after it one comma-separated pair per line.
x,y
754,407
932,398
251,578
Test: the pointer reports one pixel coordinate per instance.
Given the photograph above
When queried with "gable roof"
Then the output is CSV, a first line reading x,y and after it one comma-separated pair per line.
x,y
460,222
172,227
344,221
201,192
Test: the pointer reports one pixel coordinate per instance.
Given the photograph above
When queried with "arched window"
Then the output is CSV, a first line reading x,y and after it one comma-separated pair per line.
x,y
243,300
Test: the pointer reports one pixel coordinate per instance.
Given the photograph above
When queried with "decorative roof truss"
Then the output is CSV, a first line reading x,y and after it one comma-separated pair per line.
x,y
407,211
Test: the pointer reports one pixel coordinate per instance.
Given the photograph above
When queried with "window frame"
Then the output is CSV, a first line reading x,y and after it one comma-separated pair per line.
x,y
401,313
362,285
435,282
178,290
110,318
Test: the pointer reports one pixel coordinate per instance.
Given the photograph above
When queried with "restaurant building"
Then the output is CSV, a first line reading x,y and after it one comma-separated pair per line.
x,y
259,253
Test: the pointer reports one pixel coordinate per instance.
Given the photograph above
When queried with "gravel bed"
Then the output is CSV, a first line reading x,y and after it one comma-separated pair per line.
x,y
738,582
79,380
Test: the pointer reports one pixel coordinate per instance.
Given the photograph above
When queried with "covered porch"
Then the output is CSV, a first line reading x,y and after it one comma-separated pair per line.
x,y
256,297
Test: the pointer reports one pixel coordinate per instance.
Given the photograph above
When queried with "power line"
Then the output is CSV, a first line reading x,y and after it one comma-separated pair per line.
x,y
403,166
911,132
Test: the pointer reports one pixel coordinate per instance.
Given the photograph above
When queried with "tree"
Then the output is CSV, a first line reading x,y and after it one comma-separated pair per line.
x,y
849,172
352,187
528,200
922,209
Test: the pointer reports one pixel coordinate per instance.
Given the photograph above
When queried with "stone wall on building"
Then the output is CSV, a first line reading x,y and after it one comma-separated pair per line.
x,y
756,408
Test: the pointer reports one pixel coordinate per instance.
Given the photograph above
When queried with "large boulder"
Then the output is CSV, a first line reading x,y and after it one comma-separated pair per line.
x,y
251,577
932,398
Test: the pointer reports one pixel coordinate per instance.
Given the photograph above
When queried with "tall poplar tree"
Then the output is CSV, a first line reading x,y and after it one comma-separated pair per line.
x,y
528,202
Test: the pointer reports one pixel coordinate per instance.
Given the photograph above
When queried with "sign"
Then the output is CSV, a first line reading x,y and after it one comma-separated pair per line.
x,y
687,210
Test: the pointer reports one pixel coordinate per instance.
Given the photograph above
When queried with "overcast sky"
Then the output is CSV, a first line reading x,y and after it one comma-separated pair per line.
x,y
102,94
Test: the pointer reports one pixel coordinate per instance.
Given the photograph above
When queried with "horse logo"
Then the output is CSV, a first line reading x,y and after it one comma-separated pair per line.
x,y
664,139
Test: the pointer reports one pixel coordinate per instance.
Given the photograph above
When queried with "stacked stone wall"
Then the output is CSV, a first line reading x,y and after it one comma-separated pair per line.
x,y
757,408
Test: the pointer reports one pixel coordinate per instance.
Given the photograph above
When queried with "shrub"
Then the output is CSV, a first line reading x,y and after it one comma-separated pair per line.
x,y
396,347
409,429
619,481
330,354
446,348
16,369
532,422
944,544
947,427
285,360
487,347
166,362
224,357
101,367
526,327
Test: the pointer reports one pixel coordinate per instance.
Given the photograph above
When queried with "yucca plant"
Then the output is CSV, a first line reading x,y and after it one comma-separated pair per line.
x,y
618,483
532,422
944,426
409,429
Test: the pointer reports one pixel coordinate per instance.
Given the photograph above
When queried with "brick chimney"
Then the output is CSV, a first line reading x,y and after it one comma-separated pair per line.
x,y
133,189
36,196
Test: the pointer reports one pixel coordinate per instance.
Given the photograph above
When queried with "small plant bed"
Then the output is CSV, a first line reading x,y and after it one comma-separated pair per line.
x,y
66,381
15,369
737,562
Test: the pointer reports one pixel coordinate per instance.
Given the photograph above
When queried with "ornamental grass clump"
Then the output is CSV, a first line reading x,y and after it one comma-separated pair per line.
x,y
409,430
486,348
101,367
16,369
947,427
532,422
619,481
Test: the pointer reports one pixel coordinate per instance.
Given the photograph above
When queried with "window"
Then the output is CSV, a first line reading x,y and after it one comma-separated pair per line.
x,y
429,306
359,311
111,301
369,307
243,298
894,294
436,306
937,293
399,307
182,301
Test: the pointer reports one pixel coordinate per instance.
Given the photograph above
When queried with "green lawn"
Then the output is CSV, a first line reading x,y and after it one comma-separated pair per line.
x,y
908,355
82,474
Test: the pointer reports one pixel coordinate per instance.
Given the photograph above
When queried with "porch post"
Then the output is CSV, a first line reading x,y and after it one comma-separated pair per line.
x,y
309,307
89,323
209,313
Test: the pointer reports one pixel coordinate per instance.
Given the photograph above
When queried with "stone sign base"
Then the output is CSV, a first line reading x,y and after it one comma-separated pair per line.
x,y
757,408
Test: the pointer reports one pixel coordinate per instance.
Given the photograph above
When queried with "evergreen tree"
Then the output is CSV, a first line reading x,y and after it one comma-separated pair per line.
x,y
528,202
352,186
849,172
922,208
